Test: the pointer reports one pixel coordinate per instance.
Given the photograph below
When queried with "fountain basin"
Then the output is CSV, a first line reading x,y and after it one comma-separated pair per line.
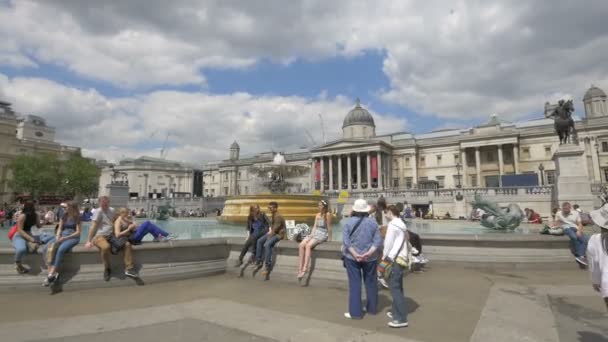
x,y
301,208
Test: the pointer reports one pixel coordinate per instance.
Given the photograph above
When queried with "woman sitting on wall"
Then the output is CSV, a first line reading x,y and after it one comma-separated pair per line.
x,y
257,226
321,231
137,233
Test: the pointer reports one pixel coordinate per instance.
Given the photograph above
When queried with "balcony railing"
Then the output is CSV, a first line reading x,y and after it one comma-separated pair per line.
x,y
451,193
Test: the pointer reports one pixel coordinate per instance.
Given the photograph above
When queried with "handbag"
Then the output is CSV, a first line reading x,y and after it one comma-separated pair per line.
x,y
12,232
349,236
117,243
405,262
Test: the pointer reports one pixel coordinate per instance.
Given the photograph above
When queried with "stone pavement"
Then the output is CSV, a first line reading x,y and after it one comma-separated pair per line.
x,y
445,304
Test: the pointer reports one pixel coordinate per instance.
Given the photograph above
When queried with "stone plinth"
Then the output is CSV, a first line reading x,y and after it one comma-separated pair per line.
x,y
118,193
573,184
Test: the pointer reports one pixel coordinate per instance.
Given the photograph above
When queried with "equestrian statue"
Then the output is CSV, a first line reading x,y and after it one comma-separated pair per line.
x,y
564,124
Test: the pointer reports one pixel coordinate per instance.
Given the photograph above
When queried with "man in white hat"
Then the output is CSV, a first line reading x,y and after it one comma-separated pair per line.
x,y
597,253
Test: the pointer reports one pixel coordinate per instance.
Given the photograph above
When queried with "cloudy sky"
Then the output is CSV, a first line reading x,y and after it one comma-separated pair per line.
x,y
117,77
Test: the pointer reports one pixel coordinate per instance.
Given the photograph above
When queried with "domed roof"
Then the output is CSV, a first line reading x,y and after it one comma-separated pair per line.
x,y
358,116
594,92
234,145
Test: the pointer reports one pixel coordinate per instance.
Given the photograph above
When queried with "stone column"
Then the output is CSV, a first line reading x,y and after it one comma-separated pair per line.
x,y
331,172
596,163
358,171
349,173
380,170
369,170
478,166
322,181
401,171
340,172
501,163
463,161
311,175
414,169
516,158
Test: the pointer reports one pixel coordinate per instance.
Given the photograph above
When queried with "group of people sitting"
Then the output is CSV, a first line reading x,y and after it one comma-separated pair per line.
x,y
110,232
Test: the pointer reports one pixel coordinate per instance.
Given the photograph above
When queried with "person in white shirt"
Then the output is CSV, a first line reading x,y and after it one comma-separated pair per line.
x,y
570,221
597,253
395,244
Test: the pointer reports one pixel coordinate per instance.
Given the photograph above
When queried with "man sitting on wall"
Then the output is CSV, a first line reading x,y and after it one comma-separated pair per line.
x,y
267,242
570,221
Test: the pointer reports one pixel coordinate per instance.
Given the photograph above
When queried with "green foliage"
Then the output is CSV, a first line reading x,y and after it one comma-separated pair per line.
x,y
35,174
45,173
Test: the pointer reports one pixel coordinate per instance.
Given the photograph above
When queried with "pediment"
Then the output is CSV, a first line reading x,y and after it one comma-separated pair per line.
x,y
348,144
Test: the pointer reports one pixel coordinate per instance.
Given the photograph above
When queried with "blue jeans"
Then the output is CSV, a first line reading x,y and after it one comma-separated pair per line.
x,y
395,284
63,248
20,244
268,245
355,271
146,228
579,244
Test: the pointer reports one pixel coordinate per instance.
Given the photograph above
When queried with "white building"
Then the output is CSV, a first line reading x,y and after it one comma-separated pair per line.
x,y
150,177
476,157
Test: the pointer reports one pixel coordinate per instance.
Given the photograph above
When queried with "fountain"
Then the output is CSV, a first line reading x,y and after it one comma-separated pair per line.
x,y
273,187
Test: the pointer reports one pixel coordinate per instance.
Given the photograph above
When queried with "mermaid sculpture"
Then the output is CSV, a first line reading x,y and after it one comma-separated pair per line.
x,y
497,217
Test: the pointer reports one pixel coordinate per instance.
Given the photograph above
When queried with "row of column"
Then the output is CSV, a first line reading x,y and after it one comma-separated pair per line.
x,y
501,164
349,171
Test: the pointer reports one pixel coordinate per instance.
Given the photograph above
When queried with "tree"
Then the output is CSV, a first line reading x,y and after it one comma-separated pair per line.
x,y
79,177
35,174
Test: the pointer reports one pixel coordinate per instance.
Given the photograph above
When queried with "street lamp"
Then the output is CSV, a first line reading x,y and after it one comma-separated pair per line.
x,y
458,168
541,169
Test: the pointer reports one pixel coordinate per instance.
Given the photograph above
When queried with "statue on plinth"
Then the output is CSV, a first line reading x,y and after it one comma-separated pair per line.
x,y
496,217
564,124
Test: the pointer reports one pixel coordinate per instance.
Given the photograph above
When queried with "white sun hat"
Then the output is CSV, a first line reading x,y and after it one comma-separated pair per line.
x,y
361,206
600,216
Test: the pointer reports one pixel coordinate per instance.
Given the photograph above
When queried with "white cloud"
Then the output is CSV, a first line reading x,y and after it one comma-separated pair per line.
x,y
201,126
458,59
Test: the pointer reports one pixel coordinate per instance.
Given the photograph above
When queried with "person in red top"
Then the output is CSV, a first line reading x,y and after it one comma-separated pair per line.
x,y
535,217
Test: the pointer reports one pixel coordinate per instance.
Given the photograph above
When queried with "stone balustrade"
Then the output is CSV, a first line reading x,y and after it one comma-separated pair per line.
x,y
541,191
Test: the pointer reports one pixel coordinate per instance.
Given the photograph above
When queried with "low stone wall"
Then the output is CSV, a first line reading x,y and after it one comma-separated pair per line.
x,y
157,262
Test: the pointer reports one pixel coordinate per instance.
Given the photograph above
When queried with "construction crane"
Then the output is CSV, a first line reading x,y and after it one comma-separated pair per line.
x,y
163,150
310,138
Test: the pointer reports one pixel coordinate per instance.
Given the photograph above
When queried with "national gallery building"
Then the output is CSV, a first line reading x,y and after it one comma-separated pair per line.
x,y
478,157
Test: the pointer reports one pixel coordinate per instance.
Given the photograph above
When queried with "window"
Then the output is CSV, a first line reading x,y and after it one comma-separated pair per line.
x,y
246,190
212,192
213,179
604,146
440,181
395,164
490,157
225,176
548,151
422,161
474,181
408,182
395,182
407,161
508,156
470,158
525,152
226,190
439,159
550,177
240,174
238,190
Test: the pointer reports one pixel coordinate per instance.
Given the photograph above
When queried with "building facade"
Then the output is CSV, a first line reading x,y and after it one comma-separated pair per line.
x,y
153,178
24,135
478,157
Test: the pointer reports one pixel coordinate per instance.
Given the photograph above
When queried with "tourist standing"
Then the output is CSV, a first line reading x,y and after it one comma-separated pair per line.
x,y
24,241
321,231
597,253
99,236
267,242
66,237
570,221
395,244
257,226
360,243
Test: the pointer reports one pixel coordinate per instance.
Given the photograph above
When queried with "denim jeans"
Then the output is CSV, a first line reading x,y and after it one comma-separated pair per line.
x,y
355,271
251,242
266,244
20,244
63,248
395,284
146,228
579,244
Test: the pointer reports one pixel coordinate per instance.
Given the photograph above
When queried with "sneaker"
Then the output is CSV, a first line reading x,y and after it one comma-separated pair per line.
x,y
389,315
423,259
131,273
395,324
106,274
581,260
347,315
416,260
50,279
21,269
383,282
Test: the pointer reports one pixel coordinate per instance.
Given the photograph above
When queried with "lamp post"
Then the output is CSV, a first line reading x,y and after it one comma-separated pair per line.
x,y
541,169
146,193
458,168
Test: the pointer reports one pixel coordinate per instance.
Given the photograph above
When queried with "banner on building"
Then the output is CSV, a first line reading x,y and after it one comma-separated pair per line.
x,y
317,171
374,167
